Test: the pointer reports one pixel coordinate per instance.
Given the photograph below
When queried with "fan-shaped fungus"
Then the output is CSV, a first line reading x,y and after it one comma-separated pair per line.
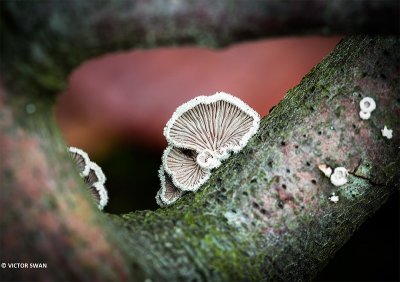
x,y
168,194
92,175
201,134
81,160
181,164
213,126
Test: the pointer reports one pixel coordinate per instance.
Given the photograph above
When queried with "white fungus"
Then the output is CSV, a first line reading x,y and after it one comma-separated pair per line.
x,y
92,175
81,159
201,134
95,181
339,176
334,198
158,199
217,124
100,193
95,174
365,115
169,193
367,104
181,164
327,171
386,132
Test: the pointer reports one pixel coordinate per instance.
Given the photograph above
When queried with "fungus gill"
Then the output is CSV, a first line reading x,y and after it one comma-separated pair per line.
x,y
92,175
201,134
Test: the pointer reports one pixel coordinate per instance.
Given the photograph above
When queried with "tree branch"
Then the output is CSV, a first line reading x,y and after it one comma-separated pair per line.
x,y
47,39
264,214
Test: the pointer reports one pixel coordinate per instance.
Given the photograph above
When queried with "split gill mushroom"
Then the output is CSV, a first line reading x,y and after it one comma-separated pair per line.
x,y
169,193
201,134
214,126
181,164
92,175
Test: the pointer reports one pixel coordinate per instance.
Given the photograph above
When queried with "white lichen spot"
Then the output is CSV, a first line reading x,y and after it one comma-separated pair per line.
x,y
367,104
235,219
339,176
386,132
334,198
365,115
327,171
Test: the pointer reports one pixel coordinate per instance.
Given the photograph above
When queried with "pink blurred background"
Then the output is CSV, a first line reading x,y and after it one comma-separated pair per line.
x,y
128,97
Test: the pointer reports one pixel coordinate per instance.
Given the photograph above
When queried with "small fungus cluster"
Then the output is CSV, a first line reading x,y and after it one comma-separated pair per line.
x,y
367,106
339,175
386,132
92,175
201,134
334,198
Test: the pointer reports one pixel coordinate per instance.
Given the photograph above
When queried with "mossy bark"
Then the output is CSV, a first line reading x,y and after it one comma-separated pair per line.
x,y
264,214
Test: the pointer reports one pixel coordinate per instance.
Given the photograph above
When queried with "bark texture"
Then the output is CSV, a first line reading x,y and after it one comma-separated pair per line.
x,y
263,215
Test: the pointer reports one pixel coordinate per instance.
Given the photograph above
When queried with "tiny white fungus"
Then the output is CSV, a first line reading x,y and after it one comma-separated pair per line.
x,y
186,174
386,132
95,181
81,159
365,115
158,199
169,193
325,169
334,198
101,193
339,176
98,172
92,175
367,104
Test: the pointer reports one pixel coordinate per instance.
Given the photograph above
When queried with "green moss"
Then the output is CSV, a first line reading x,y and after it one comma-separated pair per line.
x,y
353,189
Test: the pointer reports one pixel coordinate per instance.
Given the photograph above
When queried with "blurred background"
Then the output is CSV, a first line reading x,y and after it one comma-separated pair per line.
x,y
116,106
